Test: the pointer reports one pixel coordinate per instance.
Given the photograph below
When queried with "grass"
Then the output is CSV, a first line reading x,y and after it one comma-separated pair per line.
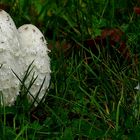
x,y
91,96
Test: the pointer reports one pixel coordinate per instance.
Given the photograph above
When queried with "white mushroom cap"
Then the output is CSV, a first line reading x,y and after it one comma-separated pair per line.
x,y
9,59
137,87
34,48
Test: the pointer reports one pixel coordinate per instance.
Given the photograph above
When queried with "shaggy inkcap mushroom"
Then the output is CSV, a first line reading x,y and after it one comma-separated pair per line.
x,y
9,59
137,87
34,49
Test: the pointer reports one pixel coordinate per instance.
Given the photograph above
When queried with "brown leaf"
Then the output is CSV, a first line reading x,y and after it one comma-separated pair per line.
x,y
136,10
114,38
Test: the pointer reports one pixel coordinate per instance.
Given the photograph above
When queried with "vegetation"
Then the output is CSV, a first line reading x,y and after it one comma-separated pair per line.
x,y
91,94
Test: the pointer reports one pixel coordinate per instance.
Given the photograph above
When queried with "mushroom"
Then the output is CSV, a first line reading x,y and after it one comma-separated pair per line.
x,y
9,60
34,49
137,87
